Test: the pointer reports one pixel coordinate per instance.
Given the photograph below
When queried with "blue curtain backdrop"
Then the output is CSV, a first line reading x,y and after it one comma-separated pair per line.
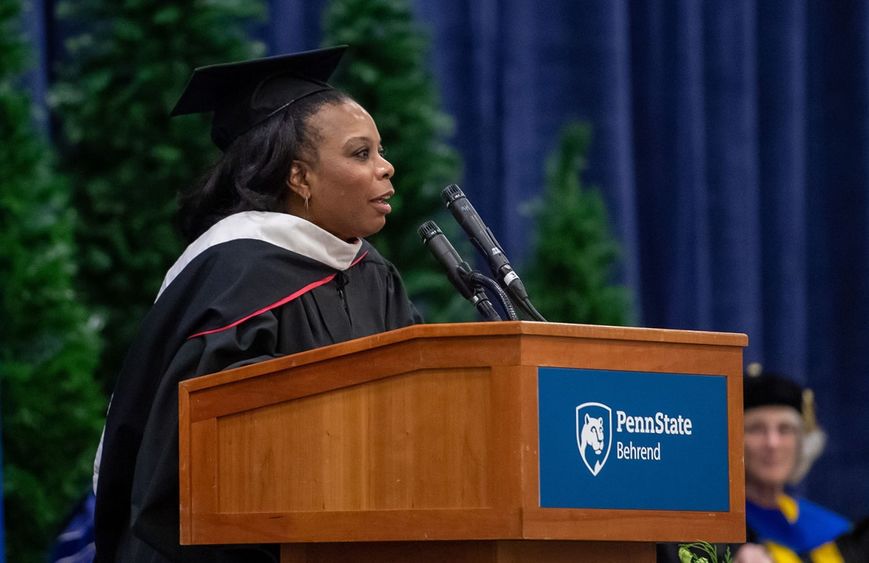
x,y
730,141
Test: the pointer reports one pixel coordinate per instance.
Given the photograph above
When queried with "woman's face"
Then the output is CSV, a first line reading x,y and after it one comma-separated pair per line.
x,y
349,181
772,441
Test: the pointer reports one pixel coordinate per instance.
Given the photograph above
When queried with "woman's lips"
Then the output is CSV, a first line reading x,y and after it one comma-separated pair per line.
x,y
382,204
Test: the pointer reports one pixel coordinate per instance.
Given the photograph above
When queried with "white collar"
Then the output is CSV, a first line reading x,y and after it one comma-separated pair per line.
x,y
281,229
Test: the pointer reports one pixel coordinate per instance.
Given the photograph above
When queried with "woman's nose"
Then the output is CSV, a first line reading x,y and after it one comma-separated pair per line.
x,y
386,170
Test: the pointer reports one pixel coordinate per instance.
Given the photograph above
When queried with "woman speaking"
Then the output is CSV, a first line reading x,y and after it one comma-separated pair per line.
x,y
277,263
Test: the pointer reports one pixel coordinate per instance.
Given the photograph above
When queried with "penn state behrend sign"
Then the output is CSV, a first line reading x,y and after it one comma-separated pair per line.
x,y
632,440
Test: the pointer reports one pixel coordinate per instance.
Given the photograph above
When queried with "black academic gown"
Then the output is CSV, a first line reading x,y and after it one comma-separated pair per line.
x,y
255,286
854,546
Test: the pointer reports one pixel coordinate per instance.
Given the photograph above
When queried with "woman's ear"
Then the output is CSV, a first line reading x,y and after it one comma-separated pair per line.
x,y
297,181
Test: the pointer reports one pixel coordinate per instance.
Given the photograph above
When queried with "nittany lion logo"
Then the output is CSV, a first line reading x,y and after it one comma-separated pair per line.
x,y
594,422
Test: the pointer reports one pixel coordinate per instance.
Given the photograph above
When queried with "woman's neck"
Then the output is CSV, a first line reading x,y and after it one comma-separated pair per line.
x,y
763,494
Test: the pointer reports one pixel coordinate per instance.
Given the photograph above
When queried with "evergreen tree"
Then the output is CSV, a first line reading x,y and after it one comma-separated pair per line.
x,y
52,409
385,70
570,274
126,158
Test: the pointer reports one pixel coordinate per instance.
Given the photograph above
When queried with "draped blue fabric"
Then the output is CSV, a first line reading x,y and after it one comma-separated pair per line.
x,y
730,143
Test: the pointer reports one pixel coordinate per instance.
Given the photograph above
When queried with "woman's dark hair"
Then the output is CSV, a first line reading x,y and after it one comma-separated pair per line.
x,y
252,173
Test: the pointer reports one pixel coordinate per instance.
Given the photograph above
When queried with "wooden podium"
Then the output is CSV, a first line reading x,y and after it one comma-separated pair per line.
x,y
421,444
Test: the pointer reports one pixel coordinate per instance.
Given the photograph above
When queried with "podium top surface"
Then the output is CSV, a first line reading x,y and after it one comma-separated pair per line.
x,y
505,329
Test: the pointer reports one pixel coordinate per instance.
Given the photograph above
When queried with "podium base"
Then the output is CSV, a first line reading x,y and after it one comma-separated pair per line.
x,y
500,551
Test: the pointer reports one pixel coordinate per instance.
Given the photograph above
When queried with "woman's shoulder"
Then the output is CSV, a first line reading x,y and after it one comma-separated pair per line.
x,y
370,255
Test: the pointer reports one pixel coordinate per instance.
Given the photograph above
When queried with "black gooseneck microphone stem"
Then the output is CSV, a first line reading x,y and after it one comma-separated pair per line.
x,y
483,305
529,308
479,280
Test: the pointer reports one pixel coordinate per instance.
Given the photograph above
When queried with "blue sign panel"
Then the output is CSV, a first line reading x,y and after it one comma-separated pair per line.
x,y
632,440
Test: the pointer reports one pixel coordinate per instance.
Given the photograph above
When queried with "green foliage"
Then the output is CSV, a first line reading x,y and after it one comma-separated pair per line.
x,y
126,158
52,410
571,269
386,71
708,553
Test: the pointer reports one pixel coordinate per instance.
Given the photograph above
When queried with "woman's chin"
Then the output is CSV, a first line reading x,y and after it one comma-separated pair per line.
x,y
373,229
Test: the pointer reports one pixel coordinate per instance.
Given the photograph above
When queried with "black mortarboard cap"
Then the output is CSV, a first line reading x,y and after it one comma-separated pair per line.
x,y
243,94
766,388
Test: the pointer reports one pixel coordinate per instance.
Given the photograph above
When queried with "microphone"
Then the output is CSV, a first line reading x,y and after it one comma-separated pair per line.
x,y
446,254
457,269
484,240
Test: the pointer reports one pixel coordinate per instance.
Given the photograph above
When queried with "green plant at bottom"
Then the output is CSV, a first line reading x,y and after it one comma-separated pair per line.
x,y
708,553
